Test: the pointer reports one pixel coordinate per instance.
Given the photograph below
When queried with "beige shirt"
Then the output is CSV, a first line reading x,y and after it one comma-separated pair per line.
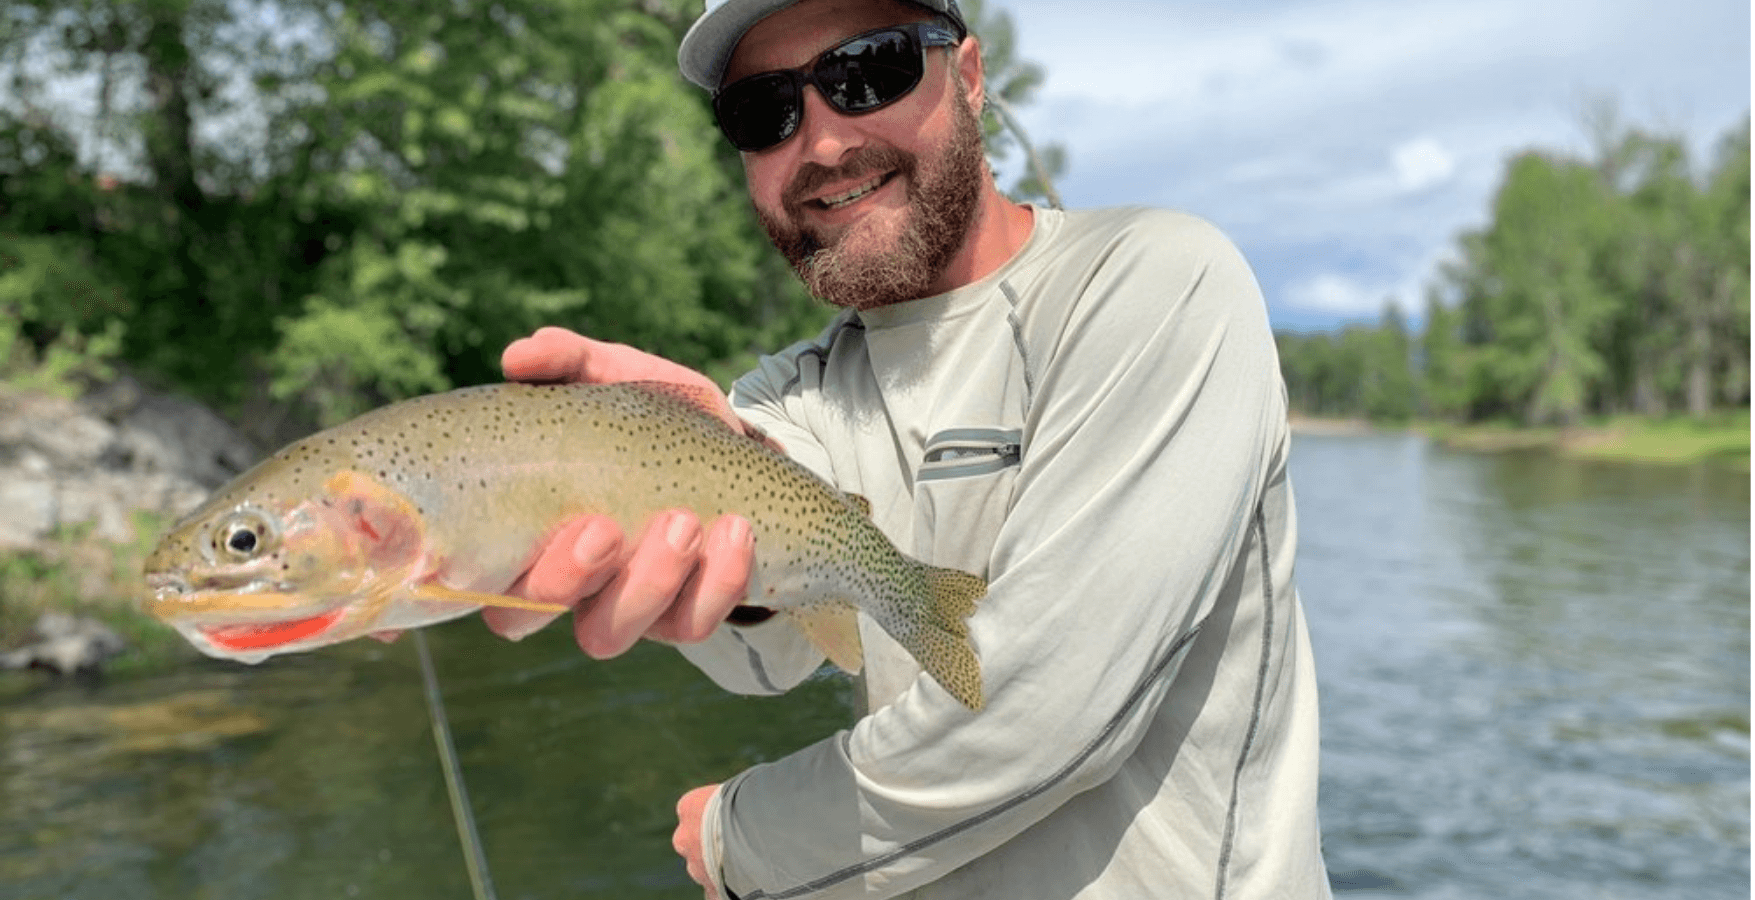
x,y
1099,428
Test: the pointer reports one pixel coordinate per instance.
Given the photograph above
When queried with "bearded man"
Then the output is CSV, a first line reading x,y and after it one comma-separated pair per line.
x,y
1085,408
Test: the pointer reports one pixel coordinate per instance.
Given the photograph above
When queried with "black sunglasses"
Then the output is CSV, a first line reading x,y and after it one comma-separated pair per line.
x,y
864,73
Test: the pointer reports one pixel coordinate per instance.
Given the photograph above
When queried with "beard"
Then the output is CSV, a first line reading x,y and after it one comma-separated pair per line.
x,y
858,268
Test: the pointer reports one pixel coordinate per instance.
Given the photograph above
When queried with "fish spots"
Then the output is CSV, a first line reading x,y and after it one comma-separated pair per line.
x,y
511,452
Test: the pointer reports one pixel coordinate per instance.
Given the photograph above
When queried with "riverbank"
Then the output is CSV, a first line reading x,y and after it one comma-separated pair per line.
x,y
89,479
83,574
1722,439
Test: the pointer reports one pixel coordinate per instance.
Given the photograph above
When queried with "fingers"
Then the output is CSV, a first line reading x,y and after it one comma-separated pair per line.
x,y
645,587
720,582
556,354
677,584
691,808
578,560
551,354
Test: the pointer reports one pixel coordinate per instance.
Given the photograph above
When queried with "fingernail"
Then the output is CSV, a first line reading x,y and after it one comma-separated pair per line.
x,y
596,543
682,533
739,534
522,628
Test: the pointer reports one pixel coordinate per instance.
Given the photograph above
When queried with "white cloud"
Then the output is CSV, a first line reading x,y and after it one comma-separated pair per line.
x,y
1340,295
1421,163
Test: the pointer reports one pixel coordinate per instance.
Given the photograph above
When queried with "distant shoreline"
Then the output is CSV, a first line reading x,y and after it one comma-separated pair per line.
x,y
1722,439
1318,425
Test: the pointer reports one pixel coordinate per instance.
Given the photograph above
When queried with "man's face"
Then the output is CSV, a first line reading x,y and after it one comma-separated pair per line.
x,y
869,209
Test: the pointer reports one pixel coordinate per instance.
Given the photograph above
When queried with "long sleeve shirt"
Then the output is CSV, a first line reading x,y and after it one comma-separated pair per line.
x,y
1099,429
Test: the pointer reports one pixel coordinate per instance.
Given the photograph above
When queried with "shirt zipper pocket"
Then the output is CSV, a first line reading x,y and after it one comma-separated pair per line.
x,y
965,452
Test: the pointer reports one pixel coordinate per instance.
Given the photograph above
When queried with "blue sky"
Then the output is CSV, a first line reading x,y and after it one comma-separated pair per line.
x,y
1345,144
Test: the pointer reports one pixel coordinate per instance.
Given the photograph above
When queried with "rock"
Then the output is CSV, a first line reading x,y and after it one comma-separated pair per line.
x,y
67,645
27,506
161,432
95,461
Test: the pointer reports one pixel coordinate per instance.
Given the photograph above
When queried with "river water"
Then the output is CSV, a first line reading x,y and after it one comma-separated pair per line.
x,y
1535,678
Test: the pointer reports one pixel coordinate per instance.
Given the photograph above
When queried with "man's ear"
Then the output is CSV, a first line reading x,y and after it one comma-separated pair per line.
x,y
970,70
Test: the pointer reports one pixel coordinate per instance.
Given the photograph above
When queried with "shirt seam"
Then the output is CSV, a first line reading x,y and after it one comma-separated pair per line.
x,y
1255,716
820,351
1023,349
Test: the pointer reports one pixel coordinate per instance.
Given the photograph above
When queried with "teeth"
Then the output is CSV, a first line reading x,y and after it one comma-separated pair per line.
x,y
840,200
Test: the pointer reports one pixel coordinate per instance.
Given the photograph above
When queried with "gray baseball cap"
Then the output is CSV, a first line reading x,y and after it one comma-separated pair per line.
x,y
706,49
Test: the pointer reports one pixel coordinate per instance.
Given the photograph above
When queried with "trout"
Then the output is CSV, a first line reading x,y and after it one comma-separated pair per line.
x,y
431,508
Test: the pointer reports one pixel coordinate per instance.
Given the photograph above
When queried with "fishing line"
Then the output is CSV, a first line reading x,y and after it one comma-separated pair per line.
x,y
473,855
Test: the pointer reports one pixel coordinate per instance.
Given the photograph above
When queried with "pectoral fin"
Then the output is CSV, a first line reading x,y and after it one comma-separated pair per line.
x,y
833,627
433,592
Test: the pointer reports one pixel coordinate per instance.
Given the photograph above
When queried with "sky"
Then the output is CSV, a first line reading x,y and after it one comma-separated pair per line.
x,y
1345,144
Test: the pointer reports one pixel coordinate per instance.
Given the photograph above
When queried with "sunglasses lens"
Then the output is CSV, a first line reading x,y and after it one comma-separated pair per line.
x,y
870,71
859,76
759,112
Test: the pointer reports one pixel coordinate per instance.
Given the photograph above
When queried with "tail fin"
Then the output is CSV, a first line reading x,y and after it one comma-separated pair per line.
x,y
939,637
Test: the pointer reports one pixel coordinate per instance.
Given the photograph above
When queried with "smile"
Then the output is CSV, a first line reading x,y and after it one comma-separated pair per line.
x,y
839,201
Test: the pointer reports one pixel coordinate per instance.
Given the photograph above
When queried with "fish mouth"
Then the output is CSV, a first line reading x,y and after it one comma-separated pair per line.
x,y
259,615
167,583
263,635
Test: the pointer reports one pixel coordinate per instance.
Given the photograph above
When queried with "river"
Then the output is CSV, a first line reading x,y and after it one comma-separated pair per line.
x,y
1535,678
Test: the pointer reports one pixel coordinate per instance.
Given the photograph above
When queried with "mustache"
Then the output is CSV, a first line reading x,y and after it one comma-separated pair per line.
x,y
865,161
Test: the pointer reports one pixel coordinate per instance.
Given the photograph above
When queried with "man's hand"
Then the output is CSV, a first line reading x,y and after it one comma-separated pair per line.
x,y
687,840
677,581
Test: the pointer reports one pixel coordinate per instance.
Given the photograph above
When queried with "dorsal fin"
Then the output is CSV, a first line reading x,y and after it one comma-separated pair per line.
x,y
859,502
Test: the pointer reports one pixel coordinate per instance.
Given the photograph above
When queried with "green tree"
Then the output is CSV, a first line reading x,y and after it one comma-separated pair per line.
x,y
1363,371
1388,392
1444,370
1724,226
1537,288
431,182
336,204
202,248
1680,265
1012,82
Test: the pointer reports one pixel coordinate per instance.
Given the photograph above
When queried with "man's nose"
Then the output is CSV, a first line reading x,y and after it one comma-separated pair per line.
x,y
826,134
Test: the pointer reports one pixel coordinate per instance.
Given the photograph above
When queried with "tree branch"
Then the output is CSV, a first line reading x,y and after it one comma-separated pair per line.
x,y
1037,168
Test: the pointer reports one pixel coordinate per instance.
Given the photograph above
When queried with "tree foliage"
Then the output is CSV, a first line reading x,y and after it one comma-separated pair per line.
x,y
339,204
330,205
1617,283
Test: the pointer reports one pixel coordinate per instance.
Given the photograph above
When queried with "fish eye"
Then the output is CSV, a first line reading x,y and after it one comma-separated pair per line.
x,y
243,540
243,535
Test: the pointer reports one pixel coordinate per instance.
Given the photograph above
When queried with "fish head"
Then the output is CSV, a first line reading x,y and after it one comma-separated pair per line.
x,y
246,580
256,573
